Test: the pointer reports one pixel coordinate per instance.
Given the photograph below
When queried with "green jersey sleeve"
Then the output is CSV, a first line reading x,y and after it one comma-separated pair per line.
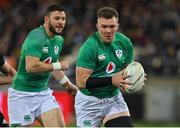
x,y
130,55
33,44
87,55
128,47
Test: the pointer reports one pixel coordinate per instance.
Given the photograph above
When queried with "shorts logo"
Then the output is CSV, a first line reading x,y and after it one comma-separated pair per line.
x,y
56,49
27,117
87,122
101,57
119,53
111,67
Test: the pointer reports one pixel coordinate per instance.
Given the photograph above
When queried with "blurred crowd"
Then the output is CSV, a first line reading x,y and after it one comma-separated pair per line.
x,y
152,25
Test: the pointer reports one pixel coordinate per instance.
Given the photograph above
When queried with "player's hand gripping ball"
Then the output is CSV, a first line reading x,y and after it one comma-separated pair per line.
x,y
136,74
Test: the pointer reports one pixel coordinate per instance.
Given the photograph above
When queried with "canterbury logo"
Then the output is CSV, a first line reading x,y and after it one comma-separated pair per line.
x,y
87,122
27,118
101,57
45,49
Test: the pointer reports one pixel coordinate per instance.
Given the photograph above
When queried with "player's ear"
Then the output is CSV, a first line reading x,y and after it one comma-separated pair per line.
x,y
117,26
97,26
45,18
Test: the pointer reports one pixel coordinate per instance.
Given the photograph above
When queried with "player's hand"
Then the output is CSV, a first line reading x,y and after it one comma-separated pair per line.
x,y
119,80
64,65
71,88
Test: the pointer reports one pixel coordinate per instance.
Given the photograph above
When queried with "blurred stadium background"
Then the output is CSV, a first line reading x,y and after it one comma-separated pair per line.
x,y
152,25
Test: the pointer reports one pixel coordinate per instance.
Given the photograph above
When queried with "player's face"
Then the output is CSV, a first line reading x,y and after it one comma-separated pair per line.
x,y
107,28
57,22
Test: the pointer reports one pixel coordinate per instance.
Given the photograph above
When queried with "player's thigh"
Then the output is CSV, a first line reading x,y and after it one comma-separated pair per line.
x,y
116,115
88,110
52,118
20,110
49,112
116,107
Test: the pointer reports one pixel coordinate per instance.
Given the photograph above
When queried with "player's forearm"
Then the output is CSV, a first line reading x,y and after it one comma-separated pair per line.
x,y
61,77
12,72
39,67
34,65
5,80
58,75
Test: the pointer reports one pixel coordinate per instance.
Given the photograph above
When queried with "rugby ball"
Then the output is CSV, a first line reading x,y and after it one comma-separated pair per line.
x,y
136,74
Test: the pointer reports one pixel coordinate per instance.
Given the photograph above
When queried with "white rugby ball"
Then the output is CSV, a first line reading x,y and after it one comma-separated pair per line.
x,y
136,72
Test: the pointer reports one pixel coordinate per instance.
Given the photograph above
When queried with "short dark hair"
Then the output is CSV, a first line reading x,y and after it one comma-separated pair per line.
x,y
107,13
55,7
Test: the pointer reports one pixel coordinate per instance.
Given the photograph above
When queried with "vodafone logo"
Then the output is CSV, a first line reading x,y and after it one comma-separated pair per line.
x,y
111,67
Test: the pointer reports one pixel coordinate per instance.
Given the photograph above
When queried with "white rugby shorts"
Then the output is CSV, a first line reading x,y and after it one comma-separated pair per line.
x,y
24,107
90,111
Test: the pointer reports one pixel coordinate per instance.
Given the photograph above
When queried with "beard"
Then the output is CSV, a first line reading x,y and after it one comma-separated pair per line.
x,y
52,29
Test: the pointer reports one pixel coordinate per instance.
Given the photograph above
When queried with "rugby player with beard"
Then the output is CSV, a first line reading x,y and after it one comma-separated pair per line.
x,y
30,98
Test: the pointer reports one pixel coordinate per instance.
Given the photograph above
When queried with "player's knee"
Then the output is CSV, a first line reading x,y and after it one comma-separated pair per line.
x,y
124,121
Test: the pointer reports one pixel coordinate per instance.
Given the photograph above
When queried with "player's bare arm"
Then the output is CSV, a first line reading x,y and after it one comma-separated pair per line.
x,y
34,65
5,79
9,72
64,81
82,74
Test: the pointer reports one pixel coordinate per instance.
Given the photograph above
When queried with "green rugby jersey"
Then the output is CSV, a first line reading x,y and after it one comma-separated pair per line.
x,y
37,44
105,60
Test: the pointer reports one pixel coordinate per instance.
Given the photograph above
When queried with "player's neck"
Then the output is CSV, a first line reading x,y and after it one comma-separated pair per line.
x,y
49,33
